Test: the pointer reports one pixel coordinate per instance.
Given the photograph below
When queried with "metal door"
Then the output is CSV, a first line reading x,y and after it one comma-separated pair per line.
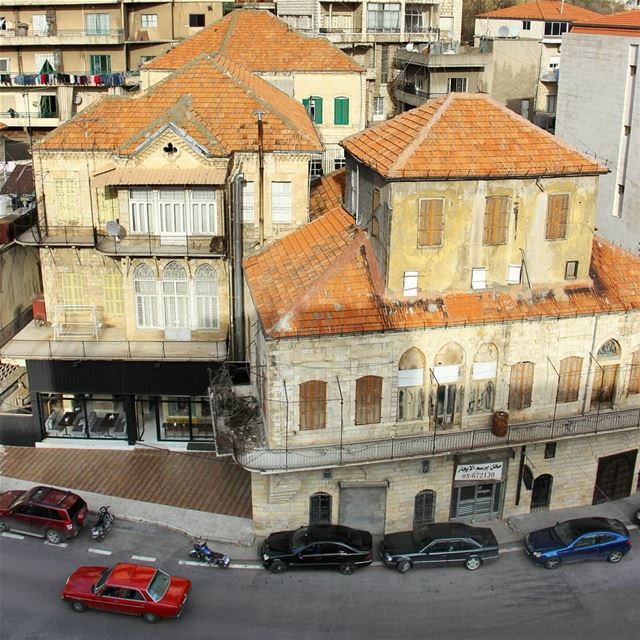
x,y
541,493
363,508
615,477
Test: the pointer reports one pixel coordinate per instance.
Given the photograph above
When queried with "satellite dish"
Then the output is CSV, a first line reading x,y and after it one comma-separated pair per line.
x,y
116,230
514,31
503,31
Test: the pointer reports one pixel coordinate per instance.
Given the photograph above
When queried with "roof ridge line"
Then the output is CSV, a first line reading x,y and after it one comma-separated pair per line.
x,y
230,28
348,253
408,151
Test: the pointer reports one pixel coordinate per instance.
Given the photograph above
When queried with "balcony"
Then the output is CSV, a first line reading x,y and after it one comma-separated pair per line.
x,y
339,35
265,460
13,118
83,79
550,75
40,343
443,57
138,244
23,35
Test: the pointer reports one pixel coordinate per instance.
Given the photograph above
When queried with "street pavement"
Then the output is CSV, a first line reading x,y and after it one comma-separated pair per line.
x,y
509,599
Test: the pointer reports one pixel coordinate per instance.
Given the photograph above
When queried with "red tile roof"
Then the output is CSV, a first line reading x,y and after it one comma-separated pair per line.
x,y
329,189
625,23
465,135
261,42
323,279
212,99
542,10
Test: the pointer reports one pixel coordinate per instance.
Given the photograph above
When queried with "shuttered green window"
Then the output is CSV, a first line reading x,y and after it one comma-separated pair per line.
x,y
341,110
313,105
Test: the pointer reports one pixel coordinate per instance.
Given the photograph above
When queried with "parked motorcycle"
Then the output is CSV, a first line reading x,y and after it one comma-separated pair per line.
x,y
103,525
202,553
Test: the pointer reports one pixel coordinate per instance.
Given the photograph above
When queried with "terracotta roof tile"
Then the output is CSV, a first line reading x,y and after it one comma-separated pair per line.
x,y
323,279
441,139
625,23
261,42
542,10
212,99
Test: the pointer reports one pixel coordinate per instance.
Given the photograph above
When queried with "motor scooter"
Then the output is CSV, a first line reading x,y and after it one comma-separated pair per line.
x,y
202,553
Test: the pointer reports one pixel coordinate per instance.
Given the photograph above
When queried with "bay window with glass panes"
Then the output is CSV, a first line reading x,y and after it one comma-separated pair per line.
x,y
173,211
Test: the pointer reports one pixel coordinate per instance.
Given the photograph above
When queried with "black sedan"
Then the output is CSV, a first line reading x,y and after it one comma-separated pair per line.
x,y
446,543
318,545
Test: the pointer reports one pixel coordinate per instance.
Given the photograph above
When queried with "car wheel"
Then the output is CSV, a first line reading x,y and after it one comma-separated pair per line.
x,y
53,536
3,525
404,566
150,618
552,563
78,606
346,569
615,556
472,563
277,566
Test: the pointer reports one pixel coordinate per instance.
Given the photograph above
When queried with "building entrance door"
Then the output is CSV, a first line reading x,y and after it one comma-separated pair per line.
x,y
615,477
363,508
477,500
541,493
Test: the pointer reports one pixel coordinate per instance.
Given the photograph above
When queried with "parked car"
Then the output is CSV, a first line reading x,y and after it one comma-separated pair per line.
x,y
318,545
445,543
133,589
579,539
54,514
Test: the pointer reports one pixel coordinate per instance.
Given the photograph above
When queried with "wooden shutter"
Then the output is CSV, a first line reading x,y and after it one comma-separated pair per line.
x,y
430,222
318,109
557,216
341,110
495,220
313,405
569,381
368,399
520,385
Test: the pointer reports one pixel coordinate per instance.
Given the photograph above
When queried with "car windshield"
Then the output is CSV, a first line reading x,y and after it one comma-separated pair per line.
x,y
565,533
421,537
101,580
299,537
158,585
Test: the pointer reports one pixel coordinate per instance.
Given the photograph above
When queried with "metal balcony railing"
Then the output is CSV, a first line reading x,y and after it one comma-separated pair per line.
x,y
12,113
550,75
291,459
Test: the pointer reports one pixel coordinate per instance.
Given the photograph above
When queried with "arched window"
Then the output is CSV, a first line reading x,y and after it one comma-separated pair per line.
x,y
634,377
175,296
447,372
206,293
605,377
483,379
610,349
541,492
313,405
411,385
368,399
146,297
424,508
320,508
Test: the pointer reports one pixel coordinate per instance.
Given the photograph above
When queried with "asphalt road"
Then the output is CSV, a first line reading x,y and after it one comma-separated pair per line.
x,y
509,599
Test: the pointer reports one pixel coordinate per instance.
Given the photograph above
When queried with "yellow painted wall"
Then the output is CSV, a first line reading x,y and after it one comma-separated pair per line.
x,y
449,266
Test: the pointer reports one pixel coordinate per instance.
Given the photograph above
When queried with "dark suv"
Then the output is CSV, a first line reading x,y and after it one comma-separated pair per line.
x,y
54,514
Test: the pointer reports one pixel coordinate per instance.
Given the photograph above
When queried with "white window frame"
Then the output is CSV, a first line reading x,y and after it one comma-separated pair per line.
x,y
248,201
410,283
97,24
203,211
5,65
205,294
175,296
479,278
455,81
378,107
149,21
145,291
514,273
281,202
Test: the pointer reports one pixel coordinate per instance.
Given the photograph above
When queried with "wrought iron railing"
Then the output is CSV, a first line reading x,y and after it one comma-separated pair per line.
x,y
291,459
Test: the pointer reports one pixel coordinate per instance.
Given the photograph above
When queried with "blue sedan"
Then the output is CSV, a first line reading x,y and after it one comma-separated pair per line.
x,y
580,539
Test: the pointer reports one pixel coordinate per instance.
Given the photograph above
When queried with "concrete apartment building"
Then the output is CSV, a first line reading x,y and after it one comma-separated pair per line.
x,y
373,33
446,339
528,38
144,205
599,113
58,57
312,71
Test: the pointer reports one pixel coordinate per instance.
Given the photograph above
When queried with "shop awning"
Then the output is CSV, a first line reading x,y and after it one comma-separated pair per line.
x,y
159,177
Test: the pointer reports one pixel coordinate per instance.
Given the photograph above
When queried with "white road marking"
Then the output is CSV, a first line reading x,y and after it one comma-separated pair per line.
x,y
15,536
143,558
101,552
62,545
192,563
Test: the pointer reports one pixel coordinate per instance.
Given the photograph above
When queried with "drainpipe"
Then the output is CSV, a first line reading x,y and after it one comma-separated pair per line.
x,y
238,341
259,114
